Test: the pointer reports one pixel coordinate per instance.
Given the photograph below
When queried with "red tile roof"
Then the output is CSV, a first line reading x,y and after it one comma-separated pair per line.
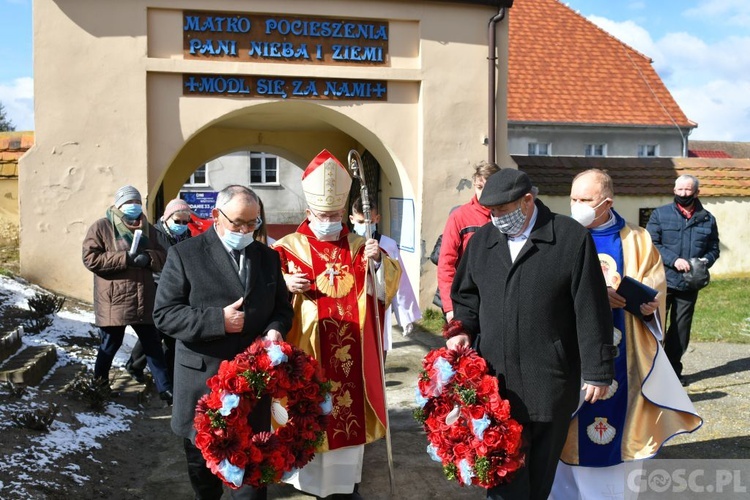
x,y
640,176
13,145
733,149
707,153
565,69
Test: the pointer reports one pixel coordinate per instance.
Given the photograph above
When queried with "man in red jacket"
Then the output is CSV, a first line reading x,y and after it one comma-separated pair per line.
x,y
460,226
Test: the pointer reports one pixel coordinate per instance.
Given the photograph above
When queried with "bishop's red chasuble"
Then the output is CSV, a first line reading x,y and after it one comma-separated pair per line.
x,y
335,321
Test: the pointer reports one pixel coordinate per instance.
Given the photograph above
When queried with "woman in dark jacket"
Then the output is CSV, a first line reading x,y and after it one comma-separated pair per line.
x,y
171,229
122,251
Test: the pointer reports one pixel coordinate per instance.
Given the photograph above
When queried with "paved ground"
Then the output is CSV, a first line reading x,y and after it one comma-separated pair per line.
x,y
720,388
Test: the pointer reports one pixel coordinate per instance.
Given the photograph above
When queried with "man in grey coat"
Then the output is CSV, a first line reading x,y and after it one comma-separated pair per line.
x,y
531,283
218,292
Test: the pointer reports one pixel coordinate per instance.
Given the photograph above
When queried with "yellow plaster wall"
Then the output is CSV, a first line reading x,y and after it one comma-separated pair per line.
x,y
110,111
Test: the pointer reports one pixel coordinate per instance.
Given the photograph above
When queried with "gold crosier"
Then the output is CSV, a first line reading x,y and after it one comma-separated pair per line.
x,y
358,172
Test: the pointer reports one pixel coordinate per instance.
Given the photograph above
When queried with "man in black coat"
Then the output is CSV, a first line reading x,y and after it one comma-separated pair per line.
x,y
682,230
218,292
531,283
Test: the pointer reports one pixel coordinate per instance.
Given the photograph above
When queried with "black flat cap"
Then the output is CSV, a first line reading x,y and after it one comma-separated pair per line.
x,y
505,186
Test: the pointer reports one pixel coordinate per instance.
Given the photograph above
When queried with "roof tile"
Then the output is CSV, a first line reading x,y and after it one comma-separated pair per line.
x,y
640,176
565,69
13,145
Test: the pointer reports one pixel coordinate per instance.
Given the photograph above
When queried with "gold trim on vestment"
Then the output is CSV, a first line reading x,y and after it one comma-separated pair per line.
x,y
647,425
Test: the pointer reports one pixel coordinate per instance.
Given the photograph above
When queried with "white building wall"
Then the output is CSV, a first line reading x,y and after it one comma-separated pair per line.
x,y
283,201
734,258
571,141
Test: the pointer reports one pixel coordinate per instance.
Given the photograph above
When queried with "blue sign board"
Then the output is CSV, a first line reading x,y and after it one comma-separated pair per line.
x,y
200,202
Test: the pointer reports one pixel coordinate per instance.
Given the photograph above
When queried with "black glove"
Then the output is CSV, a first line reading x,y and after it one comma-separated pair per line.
x,y
141,260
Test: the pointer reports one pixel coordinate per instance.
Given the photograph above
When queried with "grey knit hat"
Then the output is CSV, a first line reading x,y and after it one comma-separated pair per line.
x,y
125,194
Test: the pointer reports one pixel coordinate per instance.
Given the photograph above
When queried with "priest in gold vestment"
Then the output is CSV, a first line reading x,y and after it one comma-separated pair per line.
x,y
326,270
645,405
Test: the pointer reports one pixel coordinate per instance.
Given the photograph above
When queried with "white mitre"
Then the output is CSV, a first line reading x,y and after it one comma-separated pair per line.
x,y
326,183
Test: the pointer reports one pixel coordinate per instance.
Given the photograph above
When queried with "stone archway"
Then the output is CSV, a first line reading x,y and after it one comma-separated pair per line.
x,y
296,131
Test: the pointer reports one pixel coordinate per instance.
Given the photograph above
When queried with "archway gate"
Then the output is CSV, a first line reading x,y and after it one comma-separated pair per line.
x,y
142,92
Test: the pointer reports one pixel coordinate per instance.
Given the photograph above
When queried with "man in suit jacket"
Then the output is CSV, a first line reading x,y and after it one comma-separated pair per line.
x,y
531,283
218,292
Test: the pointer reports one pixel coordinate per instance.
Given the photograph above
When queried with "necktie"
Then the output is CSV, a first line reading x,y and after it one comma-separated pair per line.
x,y
236,255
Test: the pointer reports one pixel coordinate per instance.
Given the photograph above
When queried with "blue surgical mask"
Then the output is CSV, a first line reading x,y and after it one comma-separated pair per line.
x,y
178,229
361,228
326,228
131,210
237,241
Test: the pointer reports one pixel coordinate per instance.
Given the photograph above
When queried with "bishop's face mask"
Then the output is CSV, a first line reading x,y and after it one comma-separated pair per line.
x,y
510,223
326,228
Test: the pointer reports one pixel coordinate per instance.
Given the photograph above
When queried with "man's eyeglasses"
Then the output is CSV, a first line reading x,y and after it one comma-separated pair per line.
x,y
240,224
329,217
181,222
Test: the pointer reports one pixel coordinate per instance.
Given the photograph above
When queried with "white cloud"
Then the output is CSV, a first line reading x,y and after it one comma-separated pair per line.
x,y
708,80
730,12
721,108
17,97
630,33
728,58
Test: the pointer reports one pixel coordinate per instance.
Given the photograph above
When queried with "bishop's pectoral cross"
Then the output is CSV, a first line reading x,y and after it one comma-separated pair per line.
x,y
332,273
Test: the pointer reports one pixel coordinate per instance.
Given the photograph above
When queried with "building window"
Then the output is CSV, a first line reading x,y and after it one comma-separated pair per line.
x,y
595,150
539,148
263,168
648,150
198,178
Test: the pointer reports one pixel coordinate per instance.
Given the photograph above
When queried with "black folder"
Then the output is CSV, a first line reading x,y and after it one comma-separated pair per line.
x,y
635,293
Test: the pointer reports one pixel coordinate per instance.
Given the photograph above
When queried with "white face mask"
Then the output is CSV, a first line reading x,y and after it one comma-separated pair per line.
x,y
326,228
237,241
361,228
584,214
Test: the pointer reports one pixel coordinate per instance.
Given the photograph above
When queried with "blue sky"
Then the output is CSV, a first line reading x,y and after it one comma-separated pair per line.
x,y
700,48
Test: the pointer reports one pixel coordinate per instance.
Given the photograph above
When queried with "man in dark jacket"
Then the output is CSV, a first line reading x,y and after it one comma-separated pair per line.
x,y
682,230
172,228
218,292
123,265
531,283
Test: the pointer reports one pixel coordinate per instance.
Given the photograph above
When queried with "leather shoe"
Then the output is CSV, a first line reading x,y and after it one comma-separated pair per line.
x,y
136,374
166,396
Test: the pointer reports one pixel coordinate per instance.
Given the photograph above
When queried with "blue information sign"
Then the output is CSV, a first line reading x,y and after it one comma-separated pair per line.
x,y
201,202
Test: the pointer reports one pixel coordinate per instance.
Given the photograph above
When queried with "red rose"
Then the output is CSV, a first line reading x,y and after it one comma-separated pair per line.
x,y
471,367
238,458
499,407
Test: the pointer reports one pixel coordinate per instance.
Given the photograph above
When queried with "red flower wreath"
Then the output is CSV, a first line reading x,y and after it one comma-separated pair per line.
x,y
468,423
239,454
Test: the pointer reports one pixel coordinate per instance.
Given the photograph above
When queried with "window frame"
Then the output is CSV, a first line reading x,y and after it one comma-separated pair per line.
x,y
593,147
645,148
263,157
536,147
191,180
